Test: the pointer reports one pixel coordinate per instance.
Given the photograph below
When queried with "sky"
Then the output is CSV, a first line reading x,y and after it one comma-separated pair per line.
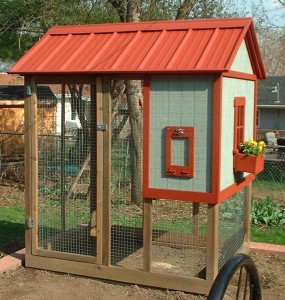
x,y
275,11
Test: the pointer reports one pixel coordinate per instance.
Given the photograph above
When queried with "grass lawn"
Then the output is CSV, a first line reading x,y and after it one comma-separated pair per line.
x,y
268,235
12,230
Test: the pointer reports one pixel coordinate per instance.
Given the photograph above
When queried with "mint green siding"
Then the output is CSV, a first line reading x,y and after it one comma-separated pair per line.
x,y
181,101
232,88
242,61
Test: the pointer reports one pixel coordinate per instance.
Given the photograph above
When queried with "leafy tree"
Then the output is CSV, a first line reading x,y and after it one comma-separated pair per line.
x,y
22,22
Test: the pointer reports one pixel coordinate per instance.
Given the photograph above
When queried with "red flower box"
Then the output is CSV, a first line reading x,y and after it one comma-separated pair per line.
x,y
248,163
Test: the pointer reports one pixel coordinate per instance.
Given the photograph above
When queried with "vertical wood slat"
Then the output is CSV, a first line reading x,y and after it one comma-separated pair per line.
x,y
99,173
27,147
33,161
107,111
212,242
62,161
147,234
195,214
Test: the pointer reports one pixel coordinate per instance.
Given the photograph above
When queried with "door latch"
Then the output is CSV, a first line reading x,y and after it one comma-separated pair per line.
x,y
30,223
102,127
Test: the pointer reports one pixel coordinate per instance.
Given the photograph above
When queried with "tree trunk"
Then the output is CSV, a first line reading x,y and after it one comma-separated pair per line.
x,y
184,9
135,117
80,150
129,12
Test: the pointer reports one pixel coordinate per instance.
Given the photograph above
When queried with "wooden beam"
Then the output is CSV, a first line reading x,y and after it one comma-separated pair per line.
x,y
147,234
62,161
212,268
107,111
28,150
65,79
166,281
78,176
99,171
34,162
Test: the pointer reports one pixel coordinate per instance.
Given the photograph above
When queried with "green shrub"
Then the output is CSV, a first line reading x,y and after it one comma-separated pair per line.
x,y
267,212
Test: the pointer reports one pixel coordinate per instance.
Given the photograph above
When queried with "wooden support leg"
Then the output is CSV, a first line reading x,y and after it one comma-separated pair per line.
x,y
213,242
147,234
195,214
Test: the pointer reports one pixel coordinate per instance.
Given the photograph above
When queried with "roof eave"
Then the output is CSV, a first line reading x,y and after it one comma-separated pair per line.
x,y
120,72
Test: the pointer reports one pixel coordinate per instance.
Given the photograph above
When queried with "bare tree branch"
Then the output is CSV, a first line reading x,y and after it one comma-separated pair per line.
x,y
184,9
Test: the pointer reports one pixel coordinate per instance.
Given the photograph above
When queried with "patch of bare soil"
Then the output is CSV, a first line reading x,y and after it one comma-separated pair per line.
x,y
12,194
37,284
261,193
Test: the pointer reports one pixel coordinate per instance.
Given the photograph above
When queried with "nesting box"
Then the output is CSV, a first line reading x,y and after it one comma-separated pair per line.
x,y
177,145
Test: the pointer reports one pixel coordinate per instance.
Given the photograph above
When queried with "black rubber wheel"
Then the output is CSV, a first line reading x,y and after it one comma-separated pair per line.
x,y
238,279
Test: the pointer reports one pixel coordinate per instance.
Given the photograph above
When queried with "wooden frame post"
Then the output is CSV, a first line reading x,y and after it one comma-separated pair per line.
x,y
31,165
212,268
98,135
147,234
107,111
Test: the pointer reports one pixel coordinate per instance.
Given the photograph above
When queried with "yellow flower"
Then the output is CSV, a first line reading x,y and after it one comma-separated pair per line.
x,y
252,147
262,143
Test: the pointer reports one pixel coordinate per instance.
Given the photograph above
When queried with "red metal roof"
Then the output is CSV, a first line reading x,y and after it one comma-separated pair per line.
x,y
207,45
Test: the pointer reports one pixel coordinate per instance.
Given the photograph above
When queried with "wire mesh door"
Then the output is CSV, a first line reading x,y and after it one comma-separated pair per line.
x,y
67,161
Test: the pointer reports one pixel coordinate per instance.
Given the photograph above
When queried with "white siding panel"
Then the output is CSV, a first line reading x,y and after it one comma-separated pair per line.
x,y
232,88
181,101
242,61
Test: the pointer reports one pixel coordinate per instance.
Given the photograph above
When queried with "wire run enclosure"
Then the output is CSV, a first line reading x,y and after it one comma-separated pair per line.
x,y
80,216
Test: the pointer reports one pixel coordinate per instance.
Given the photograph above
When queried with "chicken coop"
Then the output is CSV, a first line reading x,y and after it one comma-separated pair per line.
x,y
144,189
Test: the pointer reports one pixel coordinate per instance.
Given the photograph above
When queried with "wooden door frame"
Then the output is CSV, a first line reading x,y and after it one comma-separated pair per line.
x,y
103,194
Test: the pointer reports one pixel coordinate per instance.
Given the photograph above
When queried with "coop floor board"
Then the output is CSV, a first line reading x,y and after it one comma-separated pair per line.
x,y
182,283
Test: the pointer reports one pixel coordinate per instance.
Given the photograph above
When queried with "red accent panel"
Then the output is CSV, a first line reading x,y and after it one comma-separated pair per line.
x,y
174,132
180,195
190,196
216,133
232,189
146,135
240,75
255,110
239,115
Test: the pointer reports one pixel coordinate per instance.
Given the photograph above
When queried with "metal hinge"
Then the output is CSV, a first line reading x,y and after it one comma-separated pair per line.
x,y
30,223
102,127
29,90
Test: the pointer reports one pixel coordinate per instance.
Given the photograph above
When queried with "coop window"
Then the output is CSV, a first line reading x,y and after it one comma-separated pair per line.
x,y
239,120
179,151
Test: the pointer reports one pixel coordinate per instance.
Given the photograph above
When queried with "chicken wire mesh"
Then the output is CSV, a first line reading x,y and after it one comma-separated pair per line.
x,y
179,238
64,206
179,229
126,214
232,226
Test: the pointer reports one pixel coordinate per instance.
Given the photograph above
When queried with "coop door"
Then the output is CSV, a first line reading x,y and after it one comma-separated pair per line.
x,y
71,131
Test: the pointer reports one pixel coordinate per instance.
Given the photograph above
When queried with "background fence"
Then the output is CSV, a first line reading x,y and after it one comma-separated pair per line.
x,y
270,182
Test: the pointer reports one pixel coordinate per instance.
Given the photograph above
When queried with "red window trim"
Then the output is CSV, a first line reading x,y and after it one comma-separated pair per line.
x,y
172,132
239,122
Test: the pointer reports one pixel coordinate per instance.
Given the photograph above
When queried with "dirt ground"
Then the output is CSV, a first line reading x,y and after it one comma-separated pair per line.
x,y
37,284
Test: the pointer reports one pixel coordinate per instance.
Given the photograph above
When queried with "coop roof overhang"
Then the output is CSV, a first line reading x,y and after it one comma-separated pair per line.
x,y
192,46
